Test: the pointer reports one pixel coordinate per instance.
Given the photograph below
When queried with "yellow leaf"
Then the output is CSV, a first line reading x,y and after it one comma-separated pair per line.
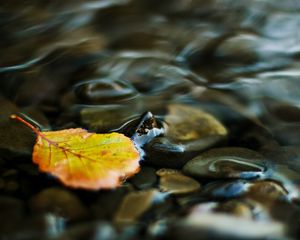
x,y
81,159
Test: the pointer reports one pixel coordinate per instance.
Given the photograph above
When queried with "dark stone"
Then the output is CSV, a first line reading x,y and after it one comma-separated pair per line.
x,y
230,162
146,178
59,202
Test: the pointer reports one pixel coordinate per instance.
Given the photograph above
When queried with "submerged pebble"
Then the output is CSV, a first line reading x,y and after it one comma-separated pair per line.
x,y
227,163
188,131
104,91
174,182
225,189
15,139
134,205
146,178
59,202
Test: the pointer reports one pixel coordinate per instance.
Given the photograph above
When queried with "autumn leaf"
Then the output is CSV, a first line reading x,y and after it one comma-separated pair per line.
x,y
81,159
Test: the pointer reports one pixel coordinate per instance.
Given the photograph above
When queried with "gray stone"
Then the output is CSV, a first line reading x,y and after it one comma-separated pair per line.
x,y
227,163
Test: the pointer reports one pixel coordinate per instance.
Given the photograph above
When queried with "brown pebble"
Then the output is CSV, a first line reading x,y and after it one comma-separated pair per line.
x,y
174,182
134,205
59,202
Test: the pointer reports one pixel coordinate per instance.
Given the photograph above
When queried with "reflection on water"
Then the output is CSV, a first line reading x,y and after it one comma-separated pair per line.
x,y
100,64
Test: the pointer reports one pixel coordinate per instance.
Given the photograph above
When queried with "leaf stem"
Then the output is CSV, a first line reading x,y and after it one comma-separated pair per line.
x,y
33,128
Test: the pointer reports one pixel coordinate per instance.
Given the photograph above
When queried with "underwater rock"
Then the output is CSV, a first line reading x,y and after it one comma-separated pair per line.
x,y
174,182
228,162
59,202
188,131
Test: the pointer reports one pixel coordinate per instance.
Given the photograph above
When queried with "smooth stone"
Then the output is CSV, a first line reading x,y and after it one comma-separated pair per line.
x,y
283,155
146,178
105,91
266,190
134,205
191,199
15,138
107,117
186,123
174,182
239,49
59,202
163,153
188,131
162,172
111,199
230,162
225,189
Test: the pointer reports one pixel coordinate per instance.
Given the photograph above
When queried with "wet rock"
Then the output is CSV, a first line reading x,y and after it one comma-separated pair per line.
x,y
146,178
104,91
187,124
227,163
241,48
59,202
106,118
188,131
111,200
134,205
225,189
260,190
266,190
152,75
161,152
146,130
174,182
283,155
15,138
